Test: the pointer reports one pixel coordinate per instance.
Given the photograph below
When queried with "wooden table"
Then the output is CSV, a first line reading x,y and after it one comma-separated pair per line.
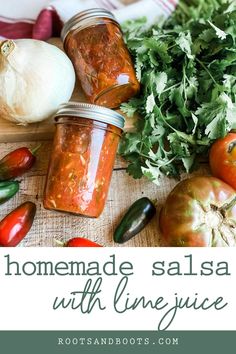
x,y
124,190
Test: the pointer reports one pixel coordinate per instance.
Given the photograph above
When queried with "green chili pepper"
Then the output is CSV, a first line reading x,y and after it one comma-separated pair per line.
x,y
8,190
137,217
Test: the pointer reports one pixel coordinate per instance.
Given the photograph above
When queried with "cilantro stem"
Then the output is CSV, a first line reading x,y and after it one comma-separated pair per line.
x,y
162,163
172,46
148,158
169,88
183,8
184,79
206,69
166,163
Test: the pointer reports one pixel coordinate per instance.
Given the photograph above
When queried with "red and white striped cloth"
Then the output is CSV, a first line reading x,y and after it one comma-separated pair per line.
x,y
42,19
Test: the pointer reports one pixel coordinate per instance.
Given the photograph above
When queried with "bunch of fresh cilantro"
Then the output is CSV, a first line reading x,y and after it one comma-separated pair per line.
x,y
187,69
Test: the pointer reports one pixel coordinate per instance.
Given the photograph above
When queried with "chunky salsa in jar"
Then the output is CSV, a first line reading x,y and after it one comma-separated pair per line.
x,y
93,40
82,159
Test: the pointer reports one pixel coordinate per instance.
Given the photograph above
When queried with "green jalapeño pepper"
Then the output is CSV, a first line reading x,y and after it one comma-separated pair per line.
x,y
8,190
137,217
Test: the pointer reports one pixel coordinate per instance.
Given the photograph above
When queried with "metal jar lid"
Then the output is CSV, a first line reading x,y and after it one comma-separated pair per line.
x,y
90,111
83,18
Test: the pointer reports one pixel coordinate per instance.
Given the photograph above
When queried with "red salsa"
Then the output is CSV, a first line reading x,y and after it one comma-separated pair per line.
x,y
81,165
93,40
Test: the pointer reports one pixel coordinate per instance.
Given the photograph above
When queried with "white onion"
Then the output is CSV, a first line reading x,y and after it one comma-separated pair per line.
x,y
35,78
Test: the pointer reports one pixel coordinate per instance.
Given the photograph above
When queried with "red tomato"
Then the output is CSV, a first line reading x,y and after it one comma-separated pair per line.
x,y
223,159
199,212
81,242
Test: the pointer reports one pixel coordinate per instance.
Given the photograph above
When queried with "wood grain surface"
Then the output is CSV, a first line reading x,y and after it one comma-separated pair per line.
x,y
124,190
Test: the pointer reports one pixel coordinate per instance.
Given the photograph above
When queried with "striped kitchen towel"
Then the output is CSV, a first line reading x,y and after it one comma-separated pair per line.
x,y
42,19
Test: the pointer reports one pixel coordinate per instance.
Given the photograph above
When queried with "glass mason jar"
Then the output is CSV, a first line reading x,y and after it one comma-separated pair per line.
x,y
93,41
82,159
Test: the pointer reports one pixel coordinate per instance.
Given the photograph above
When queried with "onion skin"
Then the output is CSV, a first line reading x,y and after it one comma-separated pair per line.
x,y
35,78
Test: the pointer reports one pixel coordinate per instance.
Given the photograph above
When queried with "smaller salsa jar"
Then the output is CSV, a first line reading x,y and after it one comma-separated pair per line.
x,y
82,159
94,42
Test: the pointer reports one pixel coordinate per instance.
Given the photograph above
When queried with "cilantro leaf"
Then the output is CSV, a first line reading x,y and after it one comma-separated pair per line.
x,y
187,70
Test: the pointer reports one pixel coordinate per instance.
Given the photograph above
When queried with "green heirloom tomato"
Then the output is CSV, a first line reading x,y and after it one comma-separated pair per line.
x,y
199,212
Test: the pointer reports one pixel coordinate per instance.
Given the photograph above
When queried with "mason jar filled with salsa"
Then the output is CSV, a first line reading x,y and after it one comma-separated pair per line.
x,y
82,159
93,40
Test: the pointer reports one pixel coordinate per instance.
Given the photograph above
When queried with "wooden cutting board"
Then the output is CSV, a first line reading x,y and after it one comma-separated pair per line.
x,y
10,132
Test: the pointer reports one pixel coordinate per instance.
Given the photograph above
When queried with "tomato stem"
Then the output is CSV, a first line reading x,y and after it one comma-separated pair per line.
x,y
59,243
34,150
154,202
231,146
227,206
